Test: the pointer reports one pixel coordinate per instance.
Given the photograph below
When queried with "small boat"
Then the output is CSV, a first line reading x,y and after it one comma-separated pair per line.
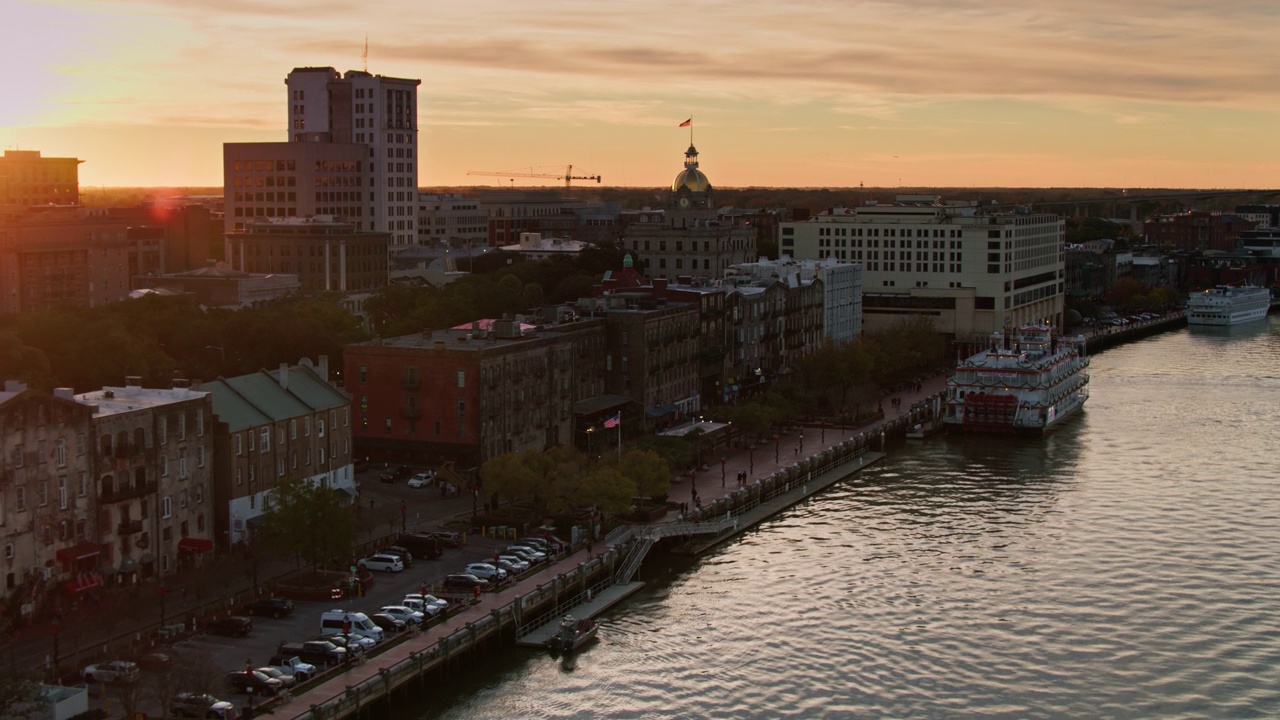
x,y
920,431
573,634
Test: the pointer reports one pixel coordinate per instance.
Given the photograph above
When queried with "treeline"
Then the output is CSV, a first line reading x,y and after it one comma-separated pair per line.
x,y
159,338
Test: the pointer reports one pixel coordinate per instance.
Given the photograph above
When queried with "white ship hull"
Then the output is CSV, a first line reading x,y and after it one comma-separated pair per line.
x,y
1029,384
1224,305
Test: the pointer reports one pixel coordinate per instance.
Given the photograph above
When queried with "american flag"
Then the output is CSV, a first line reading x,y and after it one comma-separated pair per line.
x,y
614,421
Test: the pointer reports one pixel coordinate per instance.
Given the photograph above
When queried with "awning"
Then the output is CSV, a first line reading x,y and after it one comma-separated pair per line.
x,y
194,545
83,581
78,552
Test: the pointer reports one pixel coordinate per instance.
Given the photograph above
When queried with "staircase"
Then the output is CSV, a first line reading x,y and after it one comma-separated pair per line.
x,y
645,540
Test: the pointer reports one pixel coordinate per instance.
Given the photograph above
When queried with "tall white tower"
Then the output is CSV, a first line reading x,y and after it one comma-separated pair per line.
x,y
378,112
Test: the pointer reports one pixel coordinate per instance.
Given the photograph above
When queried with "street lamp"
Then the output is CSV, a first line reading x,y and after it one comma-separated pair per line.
x,y
751,457
775,449
590,441
823,439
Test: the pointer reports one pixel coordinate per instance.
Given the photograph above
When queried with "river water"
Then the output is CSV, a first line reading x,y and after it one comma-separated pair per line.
x,y
1125,566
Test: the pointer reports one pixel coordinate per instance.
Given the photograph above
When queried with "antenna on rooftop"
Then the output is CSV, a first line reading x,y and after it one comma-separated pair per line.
x,y
366,52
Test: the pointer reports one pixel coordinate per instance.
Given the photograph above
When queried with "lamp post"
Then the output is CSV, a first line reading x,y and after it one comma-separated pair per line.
x,y
591,432
751,457
775,449
823,430
801,442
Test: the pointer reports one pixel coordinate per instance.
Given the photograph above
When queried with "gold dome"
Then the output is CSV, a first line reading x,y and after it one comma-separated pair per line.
x,y
691,179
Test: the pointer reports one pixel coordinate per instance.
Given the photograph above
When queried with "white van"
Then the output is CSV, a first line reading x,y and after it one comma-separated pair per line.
x,y
331,623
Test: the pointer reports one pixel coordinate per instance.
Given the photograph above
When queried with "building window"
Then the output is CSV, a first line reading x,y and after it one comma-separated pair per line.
x,y
462,409
306,426
199,422
164,466
264,442
319,427
239,476
462,379
44,493
280,436
182,426
364,374
200,456
164,430
280,467
83,489
20,498
60,452
293,429
239,444
166,507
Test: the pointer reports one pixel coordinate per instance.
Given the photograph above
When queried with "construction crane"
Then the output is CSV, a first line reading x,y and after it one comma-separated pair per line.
x,y
568,175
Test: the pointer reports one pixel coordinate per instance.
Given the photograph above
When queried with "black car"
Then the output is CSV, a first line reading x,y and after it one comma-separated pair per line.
x,y
320,653
399,472
464,582
276,607
389,625
252,682
232,625
422,546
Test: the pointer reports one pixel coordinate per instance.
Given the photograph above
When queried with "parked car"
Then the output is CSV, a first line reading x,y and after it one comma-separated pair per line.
x,y
509,566
448,538
399,551
533,556
389,625
538,555
393,474
353,644
427,600
463,582
202,705
520,563
276,607
486,571
155,661
402,612
316,653
381,563
292,665
231,625
422,546
115,672
252,682
422,479
286,680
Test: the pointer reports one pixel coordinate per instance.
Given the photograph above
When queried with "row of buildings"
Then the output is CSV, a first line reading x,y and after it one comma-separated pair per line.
x,y
129,483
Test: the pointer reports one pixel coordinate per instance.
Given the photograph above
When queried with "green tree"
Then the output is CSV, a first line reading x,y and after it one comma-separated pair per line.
x,y
649,472
509,476
531,296
605,488
309,521
19,361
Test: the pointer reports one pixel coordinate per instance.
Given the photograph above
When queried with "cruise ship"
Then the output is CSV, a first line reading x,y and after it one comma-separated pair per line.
x,y
1028,381
1227,305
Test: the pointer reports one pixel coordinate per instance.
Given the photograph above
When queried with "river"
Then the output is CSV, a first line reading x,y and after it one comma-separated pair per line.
x,y
1125,566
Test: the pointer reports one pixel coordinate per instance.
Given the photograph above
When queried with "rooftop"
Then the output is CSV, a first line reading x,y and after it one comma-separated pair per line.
x,y
132,398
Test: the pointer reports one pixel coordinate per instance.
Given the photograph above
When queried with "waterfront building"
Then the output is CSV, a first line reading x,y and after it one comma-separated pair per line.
x,y
474,392
775,322
154,477
688,236
269,425
841,287
325,253
970,271
48,525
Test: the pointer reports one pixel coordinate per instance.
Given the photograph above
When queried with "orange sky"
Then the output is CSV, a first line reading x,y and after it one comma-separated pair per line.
x,y
1166,93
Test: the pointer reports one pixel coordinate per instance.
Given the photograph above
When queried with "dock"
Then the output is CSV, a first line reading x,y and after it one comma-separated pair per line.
x,y
599,602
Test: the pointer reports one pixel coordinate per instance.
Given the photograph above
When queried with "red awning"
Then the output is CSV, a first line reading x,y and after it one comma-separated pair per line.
x,y
80,551
194,545
83,581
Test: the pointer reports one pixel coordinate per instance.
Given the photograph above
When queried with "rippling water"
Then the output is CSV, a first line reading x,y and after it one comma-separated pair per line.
x,y
1127,565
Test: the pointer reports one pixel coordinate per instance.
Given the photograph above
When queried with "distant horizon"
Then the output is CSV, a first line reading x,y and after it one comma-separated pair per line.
x,y
969,93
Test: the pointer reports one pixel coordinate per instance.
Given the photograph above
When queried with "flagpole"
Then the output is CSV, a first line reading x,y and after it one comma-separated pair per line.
x,y
619,436
691,130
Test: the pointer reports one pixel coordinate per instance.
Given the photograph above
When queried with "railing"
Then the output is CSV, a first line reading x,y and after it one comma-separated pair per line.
x,y
638,552
129,527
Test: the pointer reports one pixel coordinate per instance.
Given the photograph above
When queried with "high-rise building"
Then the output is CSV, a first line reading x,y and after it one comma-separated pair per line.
x,y
378,112
26,179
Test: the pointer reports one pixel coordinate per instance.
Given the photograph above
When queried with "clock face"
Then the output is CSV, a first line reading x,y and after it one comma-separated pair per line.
x,y
684,202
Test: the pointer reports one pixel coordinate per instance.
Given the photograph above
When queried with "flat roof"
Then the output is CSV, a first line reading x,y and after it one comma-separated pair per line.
x,y
115,400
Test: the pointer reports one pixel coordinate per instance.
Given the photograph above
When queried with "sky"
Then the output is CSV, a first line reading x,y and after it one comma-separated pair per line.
x,y
799,93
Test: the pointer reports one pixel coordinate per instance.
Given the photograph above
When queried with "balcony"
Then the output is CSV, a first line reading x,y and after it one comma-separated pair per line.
x,y
127,492
410,412
129,527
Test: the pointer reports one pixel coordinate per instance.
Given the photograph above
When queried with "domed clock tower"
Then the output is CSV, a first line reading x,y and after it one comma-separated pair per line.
x,y
691,191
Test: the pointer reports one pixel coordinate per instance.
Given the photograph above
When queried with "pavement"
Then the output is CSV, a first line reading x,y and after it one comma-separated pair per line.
x,y
386,508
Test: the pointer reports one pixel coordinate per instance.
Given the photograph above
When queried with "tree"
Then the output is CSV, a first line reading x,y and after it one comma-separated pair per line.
x,y
604,487
309,521
509,476
531,296
649,472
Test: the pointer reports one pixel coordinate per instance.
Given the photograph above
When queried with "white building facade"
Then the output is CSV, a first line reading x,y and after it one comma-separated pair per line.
x,y
452,220
971,272
841,284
